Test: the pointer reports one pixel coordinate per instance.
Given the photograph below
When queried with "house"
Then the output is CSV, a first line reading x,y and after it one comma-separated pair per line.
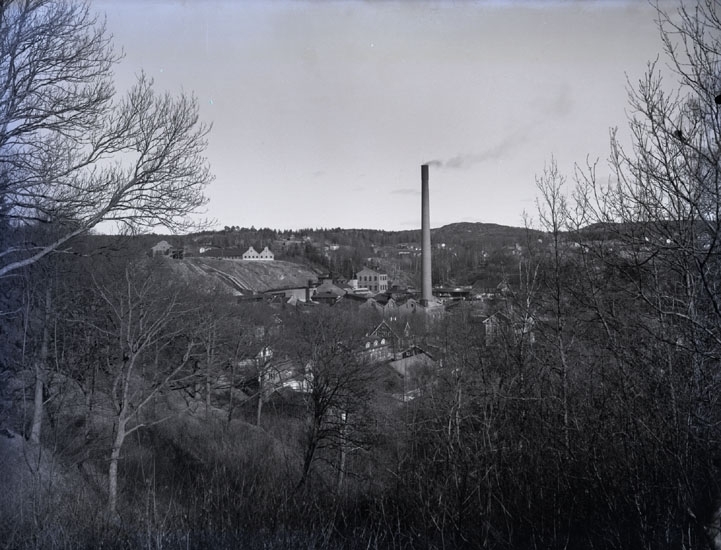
x,y
252,254
411,360
408,307
353,301
381,343
271,373
499,324
164,248
383,304
328,292
224,253
299,293
373,280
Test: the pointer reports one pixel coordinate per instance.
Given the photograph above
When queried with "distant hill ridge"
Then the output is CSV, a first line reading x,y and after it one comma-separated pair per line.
x,y
375,236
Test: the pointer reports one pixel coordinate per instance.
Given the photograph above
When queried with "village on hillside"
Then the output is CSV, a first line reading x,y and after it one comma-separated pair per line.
x,y
257,277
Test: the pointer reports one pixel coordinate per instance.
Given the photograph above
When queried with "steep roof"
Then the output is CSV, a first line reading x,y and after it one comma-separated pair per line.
x,y
163,245
383,330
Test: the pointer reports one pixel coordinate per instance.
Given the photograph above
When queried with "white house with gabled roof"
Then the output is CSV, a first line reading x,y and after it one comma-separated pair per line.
x,y
252,254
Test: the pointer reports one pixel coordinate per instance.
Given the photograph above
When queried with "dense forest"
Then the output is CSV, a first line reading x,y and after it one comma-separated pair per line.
x,y
141,410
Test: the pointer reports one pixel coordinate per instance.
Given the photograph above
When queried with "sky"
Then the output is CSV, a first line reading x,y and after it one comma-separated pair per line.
x,y
323,111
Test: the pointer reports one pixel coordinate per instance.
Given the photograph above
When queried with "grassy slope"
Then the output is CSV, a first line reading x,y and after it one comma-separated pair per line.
x,y
244,275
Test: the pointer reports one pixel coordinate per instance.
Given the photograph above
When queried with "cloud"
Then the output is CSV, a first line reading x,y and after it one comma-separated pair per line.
x,y
561,104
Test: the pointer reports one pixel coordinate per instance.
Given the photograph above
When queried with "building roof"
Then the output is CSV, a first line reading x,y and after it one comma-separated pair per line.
x,y
162,245
369,270
353,297
383,330
223,253
327,287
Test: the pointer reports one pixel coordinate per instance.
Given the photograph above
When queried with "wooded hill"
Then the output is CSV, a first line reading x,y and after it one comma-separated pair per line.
x,y
464,253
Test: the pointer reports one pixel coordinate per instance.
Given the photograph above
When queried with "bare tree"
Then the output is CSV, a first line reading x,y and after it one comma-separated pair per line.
x,y
325,344
72,152
40,368
555,219
262,340
138,319
661,212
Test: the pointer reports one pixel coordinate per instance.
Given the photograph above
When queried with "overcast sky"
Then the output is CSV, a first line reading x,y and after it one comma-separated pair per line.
x,y
323,112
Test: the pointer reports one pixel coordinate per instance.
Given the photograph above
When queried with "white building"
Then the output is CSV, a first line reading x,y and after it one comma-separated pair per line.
x,y
252,254
375,281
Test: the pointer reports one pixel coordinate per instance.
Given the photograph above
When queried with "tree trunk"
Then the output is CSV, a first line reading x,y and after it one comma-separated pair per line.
x,y
261,392
309,453
113,470
230,390
208,389
343,454
40,373
259,410
38,403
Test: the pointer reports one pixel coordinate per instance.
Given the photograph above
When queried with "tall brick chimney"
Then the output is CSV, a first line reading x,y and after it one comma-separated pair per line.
x,y
426,286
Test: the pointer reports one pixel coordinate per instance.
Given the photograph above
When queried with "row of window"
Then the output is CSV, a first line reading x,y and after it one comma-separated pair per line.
x,y
365,278
375,343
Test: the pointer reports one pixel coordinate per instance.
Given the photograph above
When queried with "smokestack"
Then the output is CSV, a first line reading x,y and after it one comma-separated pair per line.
x,y
426,287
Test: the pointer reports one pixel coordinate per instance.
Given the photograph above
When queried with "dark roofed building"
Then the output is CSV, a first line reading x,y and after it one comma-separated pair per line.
x,y
226,253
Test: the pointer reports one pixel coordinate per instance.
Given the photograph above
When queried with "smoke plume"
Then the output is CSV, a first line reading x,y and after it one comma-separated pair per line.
x,y
496,152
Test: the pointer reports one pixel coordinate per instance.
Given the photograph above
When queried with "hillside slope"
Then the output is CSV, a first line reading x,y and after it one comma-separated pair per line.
x,y
244,276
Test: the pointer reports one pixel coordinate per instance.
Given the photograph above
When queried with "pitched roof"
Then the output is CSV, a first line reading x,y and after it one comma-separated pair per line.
x,y
162,245
369,270
383,330
329,288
